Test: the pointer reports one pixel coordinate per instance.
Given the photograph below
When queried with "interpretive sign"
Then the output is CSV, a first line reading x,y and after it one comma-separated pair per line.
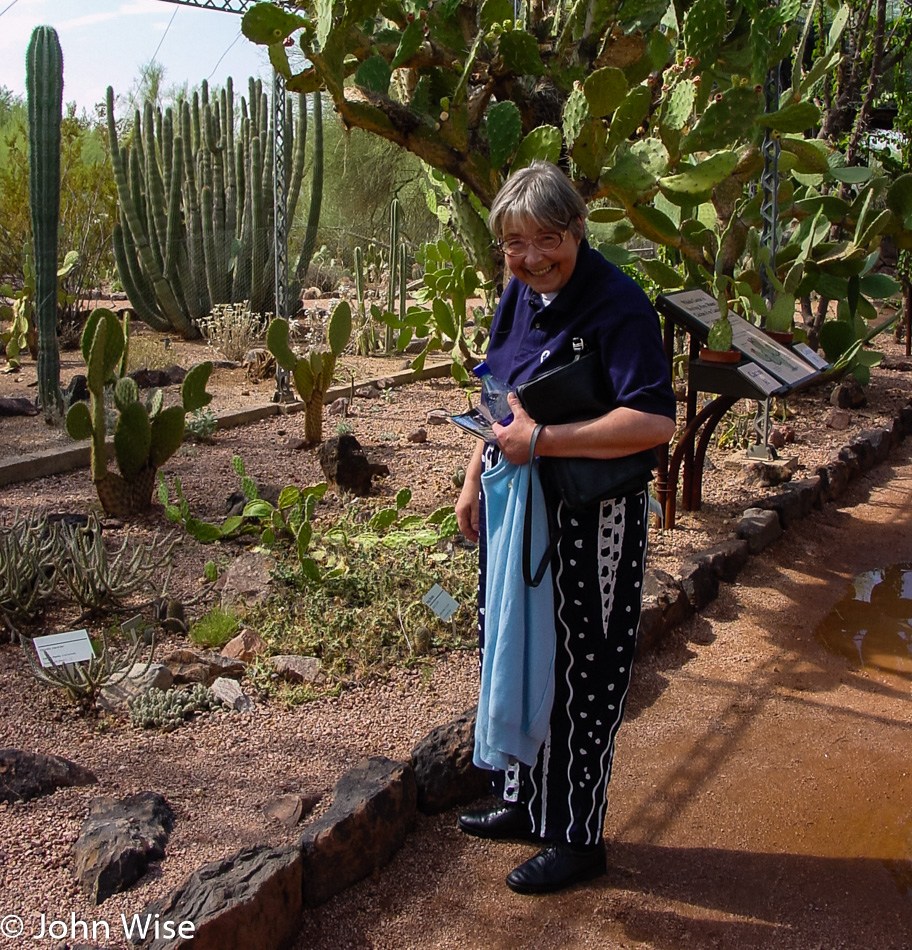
x,y
57,649
440,602
698,311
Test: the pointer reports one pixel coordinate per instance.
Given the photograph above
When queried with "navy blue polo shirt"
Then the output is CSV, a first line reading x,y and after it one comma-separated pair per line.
x,y
609,311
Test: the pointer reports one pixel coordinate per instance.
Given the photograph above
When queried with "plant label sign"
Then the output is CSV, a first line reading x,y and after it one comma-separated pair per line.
x,y
440,602
56,649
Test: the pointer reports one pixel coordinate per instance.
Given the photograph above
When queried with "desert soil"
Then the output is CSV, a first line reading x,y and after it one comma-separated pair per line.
x,y
760,798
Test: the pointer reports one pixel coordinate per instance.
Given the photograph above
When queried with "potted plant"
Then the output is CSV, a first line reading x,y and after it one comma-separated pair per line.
x,y
718,347
779,321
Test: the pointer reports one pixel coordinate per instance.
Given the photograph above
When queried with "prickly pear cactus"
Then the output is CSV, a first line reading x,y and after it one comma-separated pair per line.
x,y
504,127
144,438
725,120
313,372
704,29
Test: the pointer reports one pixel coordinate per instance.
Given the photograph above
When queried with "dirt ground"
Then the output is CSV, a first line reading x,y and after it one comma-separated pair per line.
x,y
761,795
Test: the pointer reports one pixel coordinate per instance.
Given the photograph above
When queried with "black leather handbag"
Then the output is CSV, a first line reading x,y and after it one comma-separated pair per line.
x,y
572,393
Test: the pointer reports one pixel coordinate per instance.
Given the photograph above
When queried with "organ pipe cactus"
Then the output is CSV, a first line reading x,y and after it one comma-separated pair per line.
x,y
313,372
144,438
195,189
44,86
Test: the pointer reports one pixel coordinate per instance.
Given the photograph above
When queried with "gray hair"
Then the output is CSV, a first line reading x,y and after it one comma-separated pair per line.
x,y
540,193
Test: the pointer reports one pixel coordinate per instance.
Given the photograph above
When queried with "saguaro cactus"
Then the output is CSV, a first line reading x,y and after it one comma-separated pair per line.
x,y
44,87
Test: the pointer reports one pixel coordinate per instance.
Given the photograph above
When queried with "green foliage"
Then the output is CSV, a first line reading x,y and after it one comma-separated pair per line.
x,y
44,82
167,710
312,373
87,207
144,436
195,188
215,628
82,682
679,156
364,613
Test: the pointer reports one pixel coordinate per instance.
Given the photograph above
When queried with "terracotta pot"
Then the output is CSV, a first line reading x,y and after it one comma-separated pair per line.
x,y
781,336
720,356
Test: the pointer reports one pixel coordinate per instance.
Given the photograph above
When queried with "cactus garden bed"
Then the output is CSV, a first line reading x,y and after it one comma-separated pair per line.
x,y
220,772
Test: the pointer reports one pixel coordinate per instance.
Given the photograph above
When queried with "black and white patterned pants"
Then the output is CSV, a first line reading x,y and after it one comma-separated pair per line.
x,y
597,575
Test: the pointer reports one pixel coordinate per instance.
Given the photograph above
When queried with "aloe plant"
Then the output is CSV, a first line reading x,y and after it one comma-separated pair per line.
x,y
144,437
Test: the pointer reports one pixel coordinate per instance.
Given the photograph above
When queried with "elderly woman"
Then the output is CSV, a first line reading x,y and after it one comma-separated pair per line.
x,y
562,290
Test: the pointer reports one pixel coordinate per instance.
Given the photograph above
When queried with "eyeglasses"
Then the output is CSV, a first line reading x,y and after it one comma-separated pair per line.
x,y
547,241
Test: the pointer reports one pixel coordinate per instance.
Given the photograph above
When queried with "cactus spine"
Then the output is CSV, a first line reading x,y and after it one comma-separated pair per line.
x,y
44,84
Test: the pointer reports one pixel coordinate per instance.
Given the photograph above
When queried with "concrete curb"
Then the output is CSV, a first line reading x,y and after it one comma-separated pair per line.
x,y
58,461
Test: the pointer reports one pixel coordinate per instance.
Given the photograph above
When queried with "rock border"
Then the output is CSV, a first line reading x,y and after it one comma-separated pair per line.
x,y
265,891
26,468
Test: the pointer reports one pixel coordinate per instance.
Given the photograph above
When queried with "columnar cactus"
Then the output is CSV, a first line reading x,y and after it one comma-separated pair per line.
x,y
313,372
196,200
44,86
144,438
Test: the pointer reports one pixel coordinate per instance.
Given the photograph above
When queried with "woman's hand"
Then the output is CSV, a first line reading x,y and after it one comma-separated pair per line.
x,y
467,503
514,438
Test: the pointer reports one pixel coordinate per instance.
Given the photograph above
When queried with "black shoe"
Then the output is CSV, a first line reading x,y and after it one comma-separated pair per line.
x,y
502,822
557,866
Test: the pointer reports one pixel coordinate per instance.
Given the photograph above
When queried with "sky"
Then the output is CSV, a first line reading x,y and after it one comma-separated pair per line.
x,y
105,42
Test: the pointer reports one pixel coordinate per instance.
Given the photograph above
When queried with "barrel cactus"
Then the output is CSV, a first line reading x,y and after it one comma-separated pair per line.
x,y
144,437
44,86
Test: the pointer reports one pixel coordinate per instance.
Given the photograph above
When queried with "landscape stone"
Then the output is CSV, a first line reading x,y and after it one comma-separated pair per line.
x,y
288,810
445,774
229,692
339,407
372,811
665,605
138,681
246,646
760,528
191,667
297,669
795,502
726,559
118,840
28,775
849,394
418,435
248,579
838,419
879,440
345,465
437,417
834,479
699,582
251,899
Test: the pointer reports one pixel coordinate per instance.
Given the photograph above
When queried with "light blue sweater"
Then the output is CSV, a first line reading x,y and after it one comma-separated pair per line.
x,y
517,672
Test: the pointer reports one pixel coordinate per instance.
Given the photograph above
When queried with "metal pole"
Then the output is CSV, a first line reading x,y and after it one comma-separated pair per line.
x,y
280,223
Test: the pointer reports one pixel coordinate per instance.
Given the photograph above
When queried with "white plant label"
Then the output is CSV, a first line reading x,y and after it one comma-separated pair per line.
x,y
57,649
440,602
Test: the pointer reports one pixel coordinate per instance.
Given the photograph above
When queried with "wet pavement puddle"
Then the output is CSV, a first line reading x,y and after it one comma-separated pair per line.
x,y
871,625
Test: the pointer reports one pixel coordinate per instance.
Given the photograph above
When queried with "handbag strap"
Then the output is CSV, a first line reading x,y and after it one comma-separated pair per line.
x,y
536,579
